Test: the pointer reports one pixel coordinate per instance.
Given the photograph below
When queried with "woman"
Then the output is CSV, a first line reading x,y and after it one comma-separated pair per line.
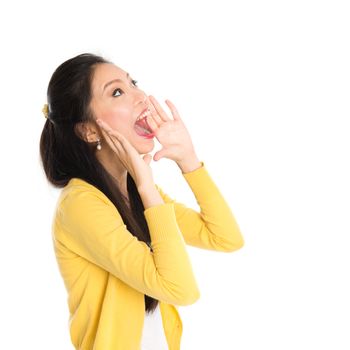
x,y
119,239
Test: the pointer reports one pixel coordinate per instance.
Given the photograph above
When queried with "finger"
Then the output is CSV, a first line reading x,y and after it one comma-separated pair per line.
x,y
113,134
157,119
159,109
160,154
113,142
117,147
111,139
110,131
147,158
173,109
103,125
152,123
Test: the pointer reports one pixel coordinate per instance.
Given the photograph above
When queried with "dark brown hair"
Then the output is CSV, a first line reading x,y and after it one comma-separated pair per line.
x,y
65,155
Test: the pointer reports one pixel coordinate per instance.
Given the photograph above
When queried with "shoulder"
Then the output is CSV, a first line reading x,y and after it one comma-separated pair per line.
x,y
82,206
80,192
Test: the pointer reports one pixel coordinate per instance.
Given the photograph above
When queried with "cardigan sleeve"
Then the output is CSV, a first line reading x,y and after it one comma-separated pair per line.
x,y
94,230
214,227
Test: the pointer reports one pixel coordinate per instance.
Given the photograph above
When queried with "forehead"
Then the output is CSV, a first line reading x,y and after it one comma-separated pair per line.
x,y
106,72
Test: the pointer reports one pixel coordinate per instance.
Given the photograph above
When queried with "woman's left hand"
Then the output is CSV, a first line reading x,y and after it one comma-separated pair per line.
x,y
172,135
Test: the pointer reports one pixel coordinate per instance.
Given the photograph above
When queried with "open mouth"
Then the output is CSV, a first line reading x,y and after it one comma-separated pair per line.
x,y
141,126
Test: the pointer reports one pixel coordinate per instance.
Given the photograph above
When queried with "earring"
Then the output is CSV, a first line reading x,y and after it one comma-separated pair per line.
x,y
98,145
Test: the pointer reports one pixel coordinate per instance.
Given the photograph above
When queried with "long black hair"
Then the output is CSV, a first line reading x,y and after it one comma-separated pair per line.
x,y
65,155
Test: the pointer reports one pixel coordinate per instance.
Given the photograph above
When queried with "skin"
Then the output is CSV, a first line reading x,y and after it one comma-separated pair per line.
x,y
116,106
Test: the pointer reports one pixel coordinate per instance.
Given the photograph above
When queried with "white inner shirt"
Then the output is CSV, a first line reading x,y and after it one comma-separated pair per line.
x,y
153,336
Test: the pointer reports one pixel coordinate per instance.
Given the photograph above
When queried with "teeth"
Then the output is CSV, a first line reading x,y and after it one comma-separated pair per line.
x,y
144,115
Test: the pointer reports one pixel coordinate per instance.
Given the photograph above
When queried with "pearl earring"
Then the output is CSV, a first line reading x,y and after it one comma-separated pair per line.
x,y
98,145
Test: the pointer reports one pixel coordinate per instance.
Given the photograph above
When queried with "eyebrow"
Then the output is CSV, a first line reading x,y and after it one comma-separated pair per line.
x,y
114,81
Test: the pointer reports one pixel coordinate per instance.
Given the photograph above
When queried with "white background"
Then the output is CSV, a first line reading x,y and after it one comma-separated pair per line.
x,y
263,87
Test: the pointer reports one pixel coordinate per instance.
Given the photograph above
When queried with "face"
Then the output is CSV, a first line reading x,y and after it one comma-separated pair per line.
x,y
118,101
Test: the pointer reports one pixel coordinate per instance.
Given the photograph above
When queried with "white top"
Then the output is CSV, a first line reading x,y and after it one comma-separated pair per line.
x,y
153,336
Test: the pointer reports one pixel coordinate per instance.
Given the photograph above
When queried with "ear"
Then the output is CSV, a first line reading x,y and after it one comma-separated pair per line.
x,y
87,131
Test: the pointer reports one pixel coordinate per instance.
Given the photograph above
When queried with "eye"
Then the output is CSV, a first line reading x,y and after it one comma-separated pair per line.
x,y
134,82
116,91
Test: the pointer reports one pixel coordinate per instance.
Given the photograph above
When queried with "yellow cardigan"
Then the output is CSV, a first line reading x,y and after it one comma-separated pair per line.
x,y
107,270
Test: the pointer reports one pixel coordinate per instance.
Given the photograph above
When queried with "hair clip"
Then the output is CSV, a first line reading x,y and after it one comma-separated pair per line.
x,y
45,110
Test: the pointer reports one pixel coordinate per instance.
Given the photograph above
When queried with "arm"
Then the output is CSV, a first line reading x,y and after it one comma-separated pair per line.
x,y
94,230
214,227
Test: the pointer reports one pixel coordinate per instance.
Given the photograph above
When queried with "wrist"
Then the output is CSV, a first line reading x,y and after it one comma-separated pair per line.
x,y
189,165
146,188
150,197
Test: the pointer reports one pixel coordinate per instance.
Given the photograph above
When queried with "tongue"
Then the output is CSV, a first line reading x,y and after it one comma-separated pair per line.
x,y
142,128
141,131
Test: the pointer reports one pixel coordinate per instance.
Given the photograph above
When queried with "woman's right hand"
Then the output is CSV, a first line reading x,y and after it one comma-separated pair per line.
x,y
138,167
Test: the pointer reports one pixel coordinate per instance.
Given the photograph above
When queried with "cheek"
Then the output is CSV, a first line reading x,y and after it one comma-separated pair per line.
x,y
120,119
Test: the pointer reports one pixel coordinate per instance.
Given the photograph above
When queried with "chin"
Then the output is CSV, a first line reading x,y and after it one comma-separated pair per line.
x,y
147,147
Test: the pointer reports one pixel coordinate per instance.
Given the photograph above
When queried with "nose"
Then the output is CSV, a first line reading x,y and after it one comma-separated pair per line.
x,y
142,98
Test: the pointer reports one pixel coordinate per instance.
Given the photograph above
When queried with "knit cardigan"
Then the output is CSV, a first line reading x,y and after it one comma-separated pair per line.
x,y
107,270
